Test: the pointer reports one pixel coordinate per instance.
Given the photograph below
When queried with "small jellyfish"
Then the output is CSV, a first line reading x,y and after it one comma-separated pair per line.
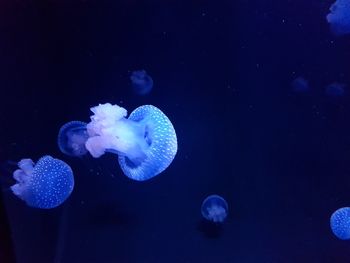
x,y
145,142
340,223
141,82
335,89
46,184
72,137
339,17
214,208
300,85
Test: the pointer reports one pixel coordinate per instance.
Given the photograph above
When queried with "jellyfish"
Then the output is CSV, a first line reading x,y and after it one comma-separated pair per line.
x,y
46,184
72,137
214,208
145,142
335,89
141,82
340,223
300,85
339,17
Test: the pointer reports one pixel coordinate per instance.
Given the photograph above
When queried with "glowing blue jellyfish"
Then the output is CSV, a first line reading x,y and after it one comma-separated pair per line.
x,y
300,85
340,223
335,89
141,82
339,17
214,208
46,184
145,142
72,137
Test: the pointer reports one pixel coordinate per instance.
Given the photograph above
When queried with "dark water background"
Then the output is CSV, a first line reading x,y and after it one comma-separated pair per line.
x,y
222,72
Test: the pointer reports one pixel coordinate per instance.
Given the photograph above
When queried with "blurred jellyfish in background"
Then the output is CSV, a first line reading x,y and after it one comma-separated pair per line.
x,y
72,137
335,89
145,142
46,184
339,17
214,208
141,82
340,223
300,85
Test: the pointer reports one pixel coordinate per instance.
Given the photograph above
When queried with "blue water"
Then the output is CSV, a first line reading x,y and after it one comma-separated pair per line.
x,y
222,73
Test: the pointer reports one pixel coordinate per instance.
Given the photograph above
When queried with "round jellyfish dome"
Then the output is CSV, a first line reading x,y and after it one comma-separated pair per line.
x,y
339,17
340,223
141,82
46,184
214,208
72,137
335,90
145,142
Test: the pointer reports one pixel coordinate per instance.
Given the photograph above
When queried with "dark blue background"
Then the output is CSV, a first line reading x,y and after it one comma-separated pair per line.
x,y
222,72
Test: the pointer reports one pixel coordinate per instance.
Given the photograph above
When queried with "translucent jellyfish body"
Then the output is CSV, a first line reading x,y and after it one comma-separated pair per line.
x,y
214,208
335,89
141,82
300,85
339,17
145,142
340,223
46,184
72,137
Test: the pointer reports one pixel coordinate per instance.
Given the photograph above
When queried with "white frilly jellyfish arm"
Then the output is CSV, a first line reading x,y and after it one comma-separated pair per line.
x,y
109,130
145,142
22,176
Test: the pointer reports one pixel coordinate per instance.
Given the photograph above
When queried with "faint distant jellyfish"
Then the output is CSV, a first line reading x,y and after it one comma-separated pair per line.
x,y
340,223
46,184
214,208
72,137
146,142
300,85
141,82
335,89
339,17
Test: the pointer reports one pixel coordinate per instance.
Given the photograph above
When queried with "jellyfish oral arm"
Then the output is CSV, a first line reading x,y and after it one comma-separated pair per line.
x,y
22,176
26,165
112,132
217,213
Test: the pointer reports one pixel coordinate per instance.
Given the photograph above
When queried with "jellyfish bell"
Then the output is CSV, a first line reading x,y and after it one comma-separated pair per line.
x,y
335,90
340,223
45,184
141,82
300,85
145,142
214,208
339,17
72,137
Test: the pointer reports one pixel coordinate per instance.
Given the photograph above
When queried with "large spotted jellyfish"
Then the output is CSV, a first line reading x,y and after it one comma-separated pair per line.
x,y
339,17
46,184
214,208
145,142
141,82
72,137
340,223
